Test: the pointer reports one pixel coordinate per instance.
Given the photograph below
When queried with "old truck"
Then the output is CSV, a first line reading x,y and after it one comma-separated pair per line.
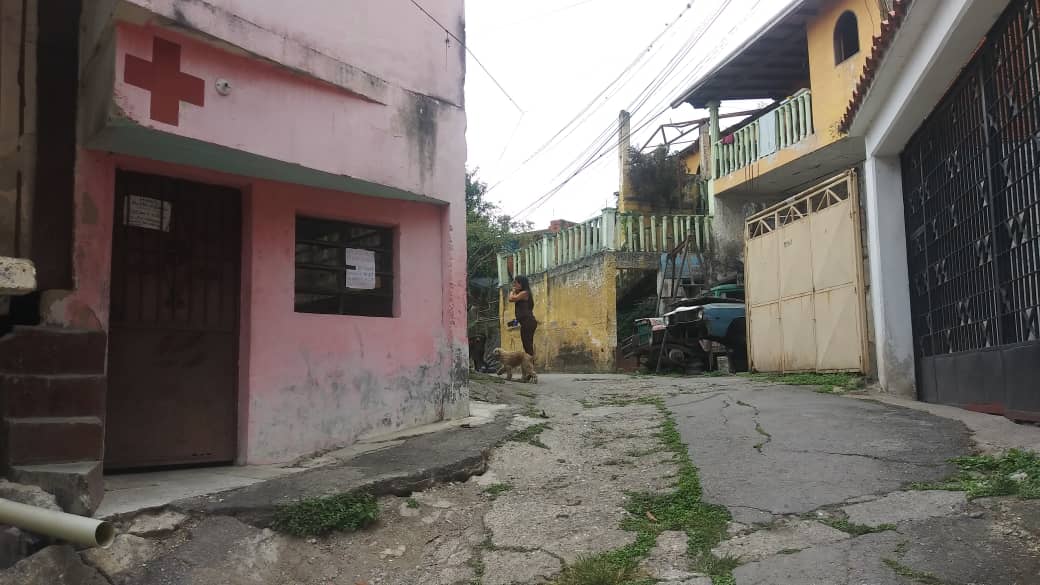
x,y
693,334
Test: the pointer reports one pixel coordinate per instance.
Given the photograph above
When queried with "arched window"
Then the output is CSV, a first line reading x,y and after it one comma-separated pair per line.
x,y
846,37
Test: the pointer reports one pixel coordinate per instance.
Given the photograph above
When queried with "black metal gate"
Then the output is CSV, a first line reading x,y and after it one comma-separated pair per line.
x,y
971,188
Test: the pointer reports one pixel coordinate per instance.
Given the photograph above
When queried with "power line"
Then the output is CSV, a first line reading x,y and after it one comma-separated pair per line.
x,y
640,100
598,154
587,110
471,54
599,147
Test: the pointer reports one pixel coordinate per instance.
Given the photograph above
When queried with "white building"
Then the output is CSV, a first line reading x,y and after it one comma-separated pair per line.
x,y
949,110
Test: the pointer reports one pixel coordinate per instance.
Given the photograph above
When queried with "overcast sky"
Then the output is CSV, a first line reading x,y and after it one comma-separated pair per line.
x,y
554,57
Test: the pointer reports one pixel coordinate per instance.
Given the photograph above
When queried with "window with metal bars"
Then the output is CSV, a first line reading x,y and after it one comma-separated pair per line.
x,y
344,268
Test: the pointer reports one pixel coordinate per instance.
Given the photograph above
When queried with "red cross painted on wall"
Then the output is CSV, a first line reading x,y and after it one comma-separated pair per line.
x,y
162,76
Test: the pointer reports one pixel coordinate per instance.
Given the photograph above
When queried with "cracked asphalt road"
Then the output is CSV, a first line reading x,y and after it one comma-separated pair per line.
x,y
776,456
816,485
767,450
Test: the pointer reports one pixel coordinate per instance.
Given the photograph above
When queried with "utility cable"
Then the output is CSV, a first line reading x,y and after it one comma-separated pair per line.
x,y
471,54
584,113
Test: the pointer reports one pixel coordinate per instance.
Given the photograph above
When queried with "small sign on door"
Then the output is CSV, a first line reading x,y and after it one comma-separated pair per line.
x,y
361,269
147,212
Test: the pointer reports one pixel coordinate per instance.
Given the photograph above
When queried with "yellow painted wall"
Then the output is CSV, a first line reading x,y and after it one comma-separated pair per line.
x,y
832,84
576,308
693,162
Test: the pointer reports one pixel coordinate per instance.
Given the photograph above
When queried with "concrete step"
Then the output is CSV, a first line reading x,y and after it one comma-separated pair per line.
x,y
78,487
53,350
67,439
34,395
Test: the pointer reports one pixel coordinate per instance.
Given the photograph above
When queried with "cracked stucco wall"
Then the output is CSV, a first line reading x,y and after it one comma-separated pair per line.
x,y
576,308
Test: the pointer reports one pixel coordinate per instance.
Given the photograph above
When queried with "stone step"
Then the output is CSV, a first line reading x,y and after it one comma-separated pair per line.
x,y
54,439
78,486
53,350
33,395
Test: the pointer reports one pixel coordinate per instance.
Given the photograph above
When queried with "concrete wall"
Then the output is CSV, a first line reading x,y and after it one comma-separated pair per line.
x,y
576,307
934,43
331,97
832,83
307,382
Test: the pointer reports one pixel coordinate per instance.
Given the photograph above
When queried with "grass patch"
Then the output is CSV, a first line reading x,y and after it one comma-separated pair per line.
x,y
844,525
532,412
1014,473
824,383
412,503
916,576
497,489
598,570
651,514
530,435
319,516
525,393
482,377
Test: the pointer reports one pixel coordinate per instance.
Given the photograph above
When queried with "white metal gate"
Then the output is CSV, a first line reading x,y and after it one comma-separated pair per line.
x,y
806,308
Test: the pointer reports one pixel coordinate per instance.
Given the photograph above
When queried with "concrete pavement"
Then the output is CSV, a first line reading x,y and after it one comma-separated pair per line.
x,y
816,484
788,462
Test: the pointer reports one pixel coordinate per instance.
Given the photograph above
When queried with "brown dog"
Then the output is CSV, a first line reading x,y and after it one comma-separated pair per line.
x,y
511,360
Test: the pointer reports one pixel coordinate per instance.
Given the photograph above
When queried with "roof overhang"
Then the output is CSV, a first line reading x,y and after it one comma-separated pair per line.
x,y
769,65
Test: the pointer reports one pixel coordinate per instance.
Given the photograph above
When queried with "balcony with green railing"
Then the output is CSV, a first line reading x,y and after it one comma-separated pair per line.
x,y
610,231
781,127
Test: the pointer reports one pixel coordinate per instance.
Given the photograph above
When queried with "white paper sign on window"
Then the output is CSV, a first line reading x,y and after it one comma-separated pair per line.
x,y
361,268
147,212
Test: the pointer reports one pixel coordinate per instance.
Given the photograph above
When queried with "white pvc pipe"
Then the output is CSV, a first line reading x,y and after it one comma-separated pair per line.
x,y
68,527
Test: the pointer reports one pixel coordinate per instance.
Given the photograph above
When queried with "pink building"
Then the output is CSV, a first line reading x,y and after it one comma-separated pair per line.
x,y
248,224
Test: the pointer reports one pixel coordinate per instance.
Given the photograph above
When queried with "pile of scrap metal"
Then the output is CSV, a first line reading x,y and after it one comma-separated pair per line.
x,y
693,334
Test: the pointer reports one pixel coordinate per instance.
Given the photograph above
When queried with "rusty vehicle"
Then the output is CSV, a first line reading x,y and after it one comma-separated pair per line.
x,y
692,334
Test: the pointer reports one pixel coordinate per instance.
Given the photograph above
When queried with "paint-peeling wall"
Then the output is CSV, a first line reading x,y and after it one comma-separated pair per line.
x,y
326,93
576,309
306,382
319,381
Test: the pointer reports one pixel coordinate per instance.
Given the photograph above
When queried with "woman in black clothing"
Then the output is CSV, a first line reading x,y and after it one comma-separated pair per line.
x,y
523,300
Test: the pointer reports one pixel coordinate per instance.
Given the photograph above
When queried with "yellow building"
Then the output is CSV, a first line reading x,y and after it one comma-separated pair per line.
x,y
807,60
783,183
583,276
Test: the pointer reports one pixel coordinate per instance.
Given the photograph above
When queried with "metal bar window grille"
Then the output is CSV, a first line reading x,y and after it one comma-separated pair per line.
x,y
344,268
972,199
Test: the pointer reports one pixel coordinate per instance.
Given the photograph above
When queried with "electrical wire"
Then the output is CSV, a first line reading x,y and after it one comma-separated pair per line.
x,y
471,54
588,109
641,99
600,146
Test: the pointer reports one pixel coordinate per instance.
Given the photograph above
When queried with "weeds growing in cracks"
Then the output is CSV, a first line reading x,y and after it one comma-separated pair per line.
x,y
652,514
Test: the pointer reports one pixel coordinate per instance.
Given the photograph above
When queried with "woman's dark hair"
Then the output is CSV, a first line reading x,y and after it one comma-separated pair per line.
x,y
526,286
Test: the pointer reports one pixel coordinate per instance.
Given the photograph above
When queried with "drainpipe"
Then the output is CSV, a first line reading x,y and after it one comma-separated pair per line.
x,y
68,527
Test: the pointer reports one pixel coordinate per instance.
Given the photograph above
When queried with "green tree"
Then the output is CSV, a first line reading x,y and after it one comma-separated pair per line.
x,y
488,231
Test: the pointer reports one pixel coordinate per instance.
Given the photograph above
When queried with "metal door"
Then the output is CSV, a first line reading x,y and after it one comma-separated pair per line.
x,y
806,308
971,189
173,359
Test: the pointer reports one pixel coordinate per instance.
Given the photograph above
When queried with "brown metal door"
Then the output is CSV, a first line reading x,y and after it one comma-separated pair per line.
x,y
173,349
